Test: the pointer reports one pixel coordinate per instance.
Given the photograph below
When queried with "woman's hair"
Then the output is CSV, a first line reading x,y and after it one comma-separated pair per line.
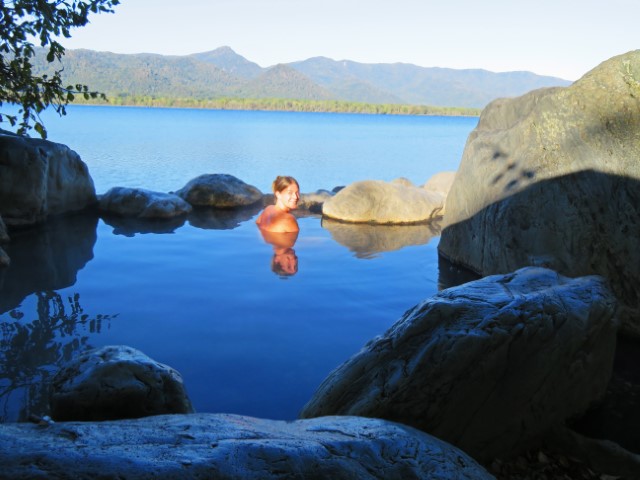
x,y
282,182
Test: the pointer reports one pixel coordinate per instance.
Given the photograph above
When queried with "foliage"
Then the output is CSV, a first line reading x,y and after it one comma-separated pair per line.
x,y
23,22
286,105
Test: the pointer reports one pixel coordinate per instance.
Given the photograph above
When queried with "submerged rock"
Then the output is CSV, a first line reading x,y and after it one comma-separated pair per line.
x,y
552,178
219,190
116,382
230,447
379,202
141,203
489,366
39,178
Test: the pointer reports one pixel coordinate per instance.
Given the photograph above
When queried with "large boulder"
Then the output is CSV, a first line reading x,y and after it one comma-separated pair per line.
x,y
489,366
116,382
142,203
219,190
230,447
376,201
40,178
552,178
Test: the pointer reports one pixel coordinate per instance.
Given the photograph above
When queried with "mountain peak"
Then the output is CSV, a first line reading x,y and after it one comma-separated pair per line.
x,y
228,60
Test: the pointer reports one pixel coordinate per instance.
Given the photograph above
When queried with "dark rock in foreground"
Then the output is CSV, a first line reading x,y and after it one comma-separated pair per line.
x,y
489,366
230,447
116,382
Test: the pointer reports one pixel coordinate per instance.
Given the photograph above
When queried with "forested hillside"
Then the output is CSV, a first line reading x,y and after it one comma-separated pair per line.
x,y
223,74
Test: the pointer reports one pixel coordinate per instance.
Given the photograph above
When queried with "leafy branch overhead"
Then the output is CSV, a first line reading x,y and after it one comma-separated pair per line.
x,y
24,23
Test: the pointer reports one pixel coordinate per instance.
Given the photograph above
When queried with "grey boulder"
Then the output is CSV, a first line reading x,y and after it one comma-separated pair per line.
x,y
141,203
219,190
39,178
489,366
379,202
116,382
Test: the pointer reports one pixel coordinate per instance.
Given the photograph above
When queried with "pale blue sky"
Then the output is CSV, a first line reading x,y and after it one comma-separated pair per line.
x,y
563,38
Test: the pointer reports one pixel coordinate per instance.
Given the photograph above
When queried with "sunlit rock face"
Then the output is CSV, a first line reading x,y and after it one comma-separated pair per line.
x,y
39,178
230,447
552,178
488,366
379,202
142,203
116,382
219,190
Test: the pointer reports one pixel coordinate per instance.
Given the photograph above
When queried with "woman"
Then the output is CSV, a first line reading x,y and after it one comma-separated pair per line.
x,y
277,218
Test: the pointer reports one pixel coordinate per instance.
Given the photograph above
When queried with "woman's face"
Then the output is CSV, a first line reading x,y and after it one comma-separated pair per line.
x,y
289,197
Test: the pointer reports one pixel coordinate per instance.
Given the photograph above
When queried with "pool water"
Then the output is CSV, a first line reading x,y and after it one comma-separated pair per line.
x,y
200,295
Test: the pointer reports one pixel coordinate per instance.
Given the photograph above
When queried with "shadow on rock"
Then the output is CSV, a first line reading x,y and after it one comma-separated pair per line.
x,y
366,240
46,257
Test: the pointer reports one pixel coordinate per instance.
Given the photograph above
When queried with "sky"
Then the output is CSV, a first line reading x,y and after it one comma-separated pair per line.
x,y
560,38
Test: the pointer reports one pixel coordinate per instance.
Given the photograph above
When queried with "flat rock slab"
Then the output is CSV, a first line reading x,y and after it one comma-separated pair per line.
x,y
230,447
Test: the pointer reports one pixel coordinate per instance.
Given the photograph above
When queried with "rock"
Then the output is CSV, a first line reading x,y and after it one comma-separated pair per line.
x,y
5,261
366,240
4,236
116,382
219,190
314,201
439,185
230,447
489,366
375,201
39,178
552,178
141,203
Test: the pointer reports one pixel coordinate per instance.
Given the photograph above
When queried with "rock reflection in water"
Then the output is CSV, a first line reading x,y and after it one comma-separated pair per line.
x,y
34,344
33,350
222,218
47,257
129,227
366,240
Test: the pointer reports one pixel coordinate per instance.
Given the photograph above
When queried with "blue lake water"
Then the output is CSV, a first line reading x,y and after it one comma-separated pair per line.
x,y
199,294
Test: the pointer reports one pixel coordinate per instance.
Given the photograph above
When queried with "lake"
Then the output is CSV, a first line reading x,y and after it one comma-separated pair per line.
x,y
199,294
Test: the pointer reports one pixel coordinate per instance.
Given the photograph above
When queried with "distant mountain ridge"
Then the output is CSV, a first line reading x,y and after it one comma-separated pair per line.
x,y
224,73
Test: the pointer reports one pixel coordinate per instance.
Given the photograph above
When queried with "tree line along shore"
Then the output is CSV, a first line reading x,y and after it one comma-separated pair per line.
x,y
280,104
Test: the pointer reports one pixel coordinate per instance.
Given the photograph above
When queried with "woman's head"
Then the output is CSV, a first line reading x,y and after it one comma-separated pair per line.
x,y
282,182
287,193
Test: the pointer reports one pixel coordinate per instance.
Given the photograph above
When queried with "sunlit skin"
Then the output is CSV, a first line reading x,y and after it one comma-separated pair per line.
x,y
278,217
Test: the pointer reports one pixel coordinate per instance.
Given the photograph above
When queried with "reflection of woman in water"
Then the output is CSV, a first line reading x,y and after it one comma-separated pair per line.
x,y
284,261
278,217
279,227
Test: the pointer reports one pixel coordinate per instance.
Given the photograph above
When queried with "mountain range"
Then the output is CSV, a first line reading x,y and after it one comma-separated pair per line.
x,y
224,73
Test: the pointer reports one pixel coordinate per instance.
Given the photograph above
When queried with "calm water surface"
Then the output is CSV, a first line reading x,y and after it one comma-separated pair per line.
x,y
199,294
